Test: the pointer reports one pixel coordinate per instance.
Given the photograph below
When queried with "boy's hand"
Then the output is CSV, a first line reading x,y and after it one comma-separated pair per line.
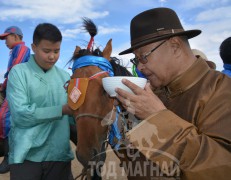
x,y
66,110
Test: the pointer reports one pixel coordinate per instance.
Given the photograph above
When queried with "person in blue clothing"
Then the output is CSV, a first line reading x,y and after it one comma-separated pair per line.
x,y
19,53
225,54
40,117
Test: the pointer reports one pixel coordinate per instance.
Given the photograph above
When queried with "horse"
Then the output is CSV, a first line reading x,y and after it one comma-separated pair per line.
x,y
93,107
91,135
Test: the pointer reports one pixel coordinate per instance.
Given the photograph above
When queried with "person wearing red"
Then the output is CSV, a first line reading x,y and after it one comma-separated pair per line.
x,y
19,53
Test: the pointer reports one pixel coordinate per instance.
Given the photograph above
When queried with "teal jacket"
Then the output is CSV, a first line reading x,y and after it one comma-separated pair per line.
x,y
39,132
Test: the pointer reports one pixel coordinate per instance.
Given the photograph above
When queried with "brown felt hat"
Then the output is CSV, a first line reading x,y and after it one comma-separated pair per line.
x,y
154,25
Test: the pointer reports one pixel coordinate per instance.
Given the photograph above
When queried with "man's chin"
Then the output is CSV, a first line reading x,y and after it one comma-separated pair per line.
x,y
154,83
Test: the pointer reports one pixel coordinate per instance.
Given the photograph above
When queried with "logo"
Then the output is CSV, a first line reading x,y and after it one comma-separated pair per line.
x,y
141,159
134,164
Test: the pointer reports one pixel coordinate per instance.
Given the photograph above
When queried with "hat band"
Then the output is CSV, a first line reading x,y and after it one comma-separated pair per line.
x,y
157,34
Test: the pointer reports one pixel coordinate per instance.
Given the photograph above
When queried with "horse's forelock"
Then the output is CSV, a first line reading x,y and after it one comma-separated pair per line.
x,y
81,53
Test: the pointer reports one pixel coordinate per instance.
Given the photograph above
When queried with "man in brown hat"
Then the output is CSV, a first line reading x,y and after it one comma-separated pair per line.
x,y
190,120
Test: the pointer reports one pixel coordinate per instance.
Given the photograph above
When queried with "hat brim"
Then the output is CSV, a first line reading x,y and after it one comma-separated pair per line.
x,y
3,36
189,34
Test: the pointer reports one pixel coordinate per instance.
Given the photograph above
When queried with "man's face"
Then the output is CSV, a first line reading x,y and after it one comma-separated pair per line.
x,y
46,53
158,65
11,39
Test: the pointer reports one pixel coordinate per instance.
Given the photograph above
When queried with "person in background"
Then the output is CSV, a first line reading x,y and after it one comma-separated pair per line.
x,y
198,53
39,136
186,130
19,53
2,97
225,54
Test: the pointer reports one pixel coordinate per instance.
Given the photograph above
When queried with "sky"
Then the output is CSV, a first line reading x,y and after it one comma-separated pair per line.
x,y
112,18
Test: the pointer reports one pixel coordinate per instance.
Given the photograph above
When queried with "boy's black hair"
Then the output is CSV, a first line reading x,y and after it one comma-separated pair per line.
x,y
46,31
225,51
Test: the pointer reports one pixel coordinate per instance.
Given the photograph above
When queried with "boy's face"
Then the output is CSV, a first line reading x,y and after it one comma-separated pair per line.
x,y
11,39
46,53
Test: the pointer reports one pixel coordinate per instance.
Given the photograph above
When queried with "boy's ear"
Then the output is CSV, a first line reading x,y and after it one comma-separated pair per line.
x,y
33,47
17,38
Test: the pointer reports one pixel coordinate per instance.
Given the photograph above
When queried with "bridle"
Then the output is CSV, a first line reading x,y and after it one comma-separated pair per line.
x,y
112,131
94,76
91,115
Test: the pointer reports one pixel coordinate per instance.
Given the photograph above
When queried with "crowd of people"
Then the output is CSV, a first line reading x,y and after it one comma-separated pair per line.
x,y
191,108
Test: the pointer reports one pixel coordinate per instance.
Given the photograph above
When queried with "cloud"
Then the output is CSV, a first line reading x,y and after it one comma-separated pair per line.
x,y
70,33
77,31
215,26
202,4
109,30
215,14
62,11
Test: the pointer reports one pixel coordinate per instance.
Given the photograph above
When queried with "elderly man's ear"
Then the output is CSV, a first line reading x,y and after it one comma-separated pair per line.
x,y
176,45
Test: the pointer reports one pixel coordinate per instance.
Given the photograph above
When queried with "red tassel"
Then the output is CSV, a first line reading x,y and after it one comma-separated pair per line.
x,y
90,43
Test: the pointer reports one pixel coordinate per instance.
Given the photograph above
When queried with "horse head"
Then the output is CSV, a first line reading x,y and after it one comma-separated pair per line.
x,y
91,135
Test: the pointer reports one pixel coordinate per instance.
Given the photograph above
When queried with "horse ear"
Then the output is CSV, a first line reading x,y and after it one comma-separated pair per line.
x,y
76,52
108,50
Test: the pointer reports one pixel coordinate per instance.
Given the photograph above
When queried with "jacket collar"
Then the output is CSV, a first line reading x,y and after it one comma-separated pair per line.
x,y
187,79
37,68
22,43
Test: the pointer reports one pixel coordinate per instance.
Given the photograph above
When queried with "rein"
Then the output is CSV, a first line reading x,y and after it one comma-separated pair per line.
x,y
106,142
89,115
114,132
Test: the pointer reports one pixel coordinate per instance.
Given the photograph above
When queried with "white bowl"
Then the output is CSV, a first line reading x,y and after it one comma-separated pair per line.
x,y
111,83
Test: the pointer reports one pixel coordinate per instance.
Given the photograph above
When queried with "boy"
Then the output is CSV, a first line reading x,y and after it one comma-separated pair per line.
x,y
19,53
39,136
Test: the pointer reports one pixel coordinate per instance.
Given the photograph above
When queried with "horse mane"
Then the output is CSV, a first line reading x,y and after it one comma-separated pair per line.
x,y
118,69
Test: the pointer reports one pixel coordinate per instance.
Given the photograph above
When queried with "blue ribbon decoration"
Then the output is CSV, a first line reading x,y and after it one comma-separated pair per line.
x,y
89,60
115,132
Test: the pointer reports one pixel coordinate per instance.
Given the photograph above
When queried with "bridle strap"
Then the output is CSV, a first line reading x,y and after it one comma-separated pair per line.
x,y
89,115
98,74
84,171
